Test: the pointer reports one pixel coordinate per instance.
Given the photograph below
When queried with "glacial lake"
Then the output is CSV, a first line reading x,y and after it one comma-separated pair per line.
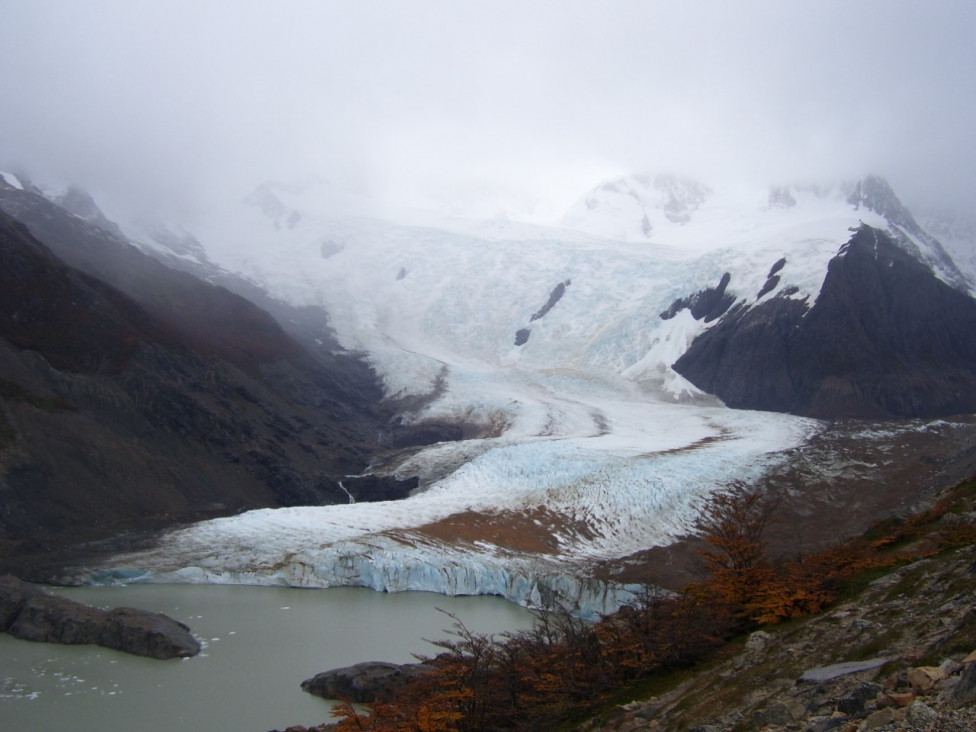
x,y
260,643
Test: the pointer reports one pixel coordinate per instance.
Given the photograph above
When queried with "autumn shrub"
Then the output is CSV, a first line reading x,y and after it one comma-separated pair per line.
x,y
733,522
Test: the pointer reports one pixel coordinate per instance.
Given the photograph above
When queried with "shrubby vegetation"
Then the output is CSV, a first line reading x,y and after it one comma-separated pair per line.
x,y
564,668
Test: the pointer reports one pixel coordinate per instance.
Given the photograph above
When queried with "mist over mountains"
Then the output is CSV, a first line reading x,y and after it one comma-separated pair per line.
x,y
486,373
493,299
136,395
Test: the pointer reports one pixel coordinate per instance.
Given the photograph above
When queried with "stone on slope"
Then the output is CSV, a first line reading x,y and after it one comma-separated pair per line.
x,y
965,691
826,673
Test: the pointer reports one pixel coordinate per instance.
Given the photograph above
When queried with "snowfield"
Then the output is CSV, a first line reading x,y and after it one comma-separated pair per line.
x,y
590,428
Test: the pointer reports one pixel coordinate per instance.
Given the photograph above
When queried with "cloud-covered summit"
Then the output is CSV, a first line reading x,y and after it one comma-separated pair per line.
x,y
506,107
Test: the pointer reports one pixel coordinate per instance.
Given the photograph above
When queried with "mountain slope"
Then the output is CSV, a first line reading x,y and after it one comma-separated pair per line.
x,y
885,338
187,401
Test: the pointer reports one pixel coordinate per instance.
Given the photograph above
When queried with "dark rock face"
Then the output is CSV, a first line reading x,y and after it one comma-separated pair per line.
x,y
554,297
154,397
856,699
81,204
426,433
14,594
885,338
707,305
965,692
28,613
365,682
522,334
772,279
378,488
209,319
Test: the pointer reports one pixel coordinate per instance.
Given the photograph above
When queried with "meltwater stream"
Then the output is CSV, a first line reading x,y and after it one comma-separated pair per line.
x,y
259,645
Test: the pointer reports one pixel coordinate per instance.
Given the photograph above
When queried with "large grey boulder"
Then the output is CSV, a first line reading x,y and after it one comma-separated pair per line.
x,y
965,691
364,682
826,673
28,613
13,595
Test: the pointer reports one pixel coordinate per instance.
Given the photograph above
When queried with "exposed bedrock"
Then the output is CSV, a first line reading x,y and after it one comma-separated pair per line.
x,y
885,338
707,305
28,613
555,296
522,334
364,683
378,488
425,433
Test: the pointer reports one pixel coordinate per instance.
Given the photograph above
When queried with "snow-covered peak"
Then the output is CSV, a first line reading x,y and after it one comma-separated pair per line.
x,y
873,193
629,207
11,180
670,209
680,197
696,218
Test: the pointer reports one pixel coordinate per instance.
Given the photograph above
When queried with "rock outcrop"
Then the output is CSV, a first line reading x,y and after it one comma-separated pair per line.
x,y
28,613
522,334
707,305
364,682
885,338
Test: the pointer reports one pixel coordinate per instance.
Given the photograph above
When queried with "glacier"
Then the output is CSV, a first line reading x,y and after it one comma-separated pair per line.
x,y
397,569
605,500
582,437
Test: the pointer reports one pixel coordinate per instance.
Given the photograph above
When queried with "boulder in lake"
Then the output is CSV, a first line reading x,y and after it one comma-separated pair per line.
x,y
29,613
364,682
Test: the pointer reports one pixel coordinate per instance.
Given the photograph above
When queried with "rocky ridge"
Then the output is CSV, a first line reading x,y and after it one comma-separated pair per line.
x,y
907,351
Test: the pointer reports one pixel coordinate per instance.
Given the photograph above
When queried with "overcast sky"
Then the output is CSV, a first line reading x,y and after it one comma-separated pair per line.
x,y
167,104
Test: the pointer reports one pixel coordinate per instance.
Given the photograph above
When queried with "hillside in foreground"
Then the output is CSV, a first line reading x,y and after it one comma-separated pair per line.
x,y
896,655
878,633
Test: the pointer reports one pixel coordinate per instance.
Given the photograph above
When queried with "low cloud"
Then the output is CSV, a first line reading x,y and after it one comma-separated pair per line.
x,y
519,106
